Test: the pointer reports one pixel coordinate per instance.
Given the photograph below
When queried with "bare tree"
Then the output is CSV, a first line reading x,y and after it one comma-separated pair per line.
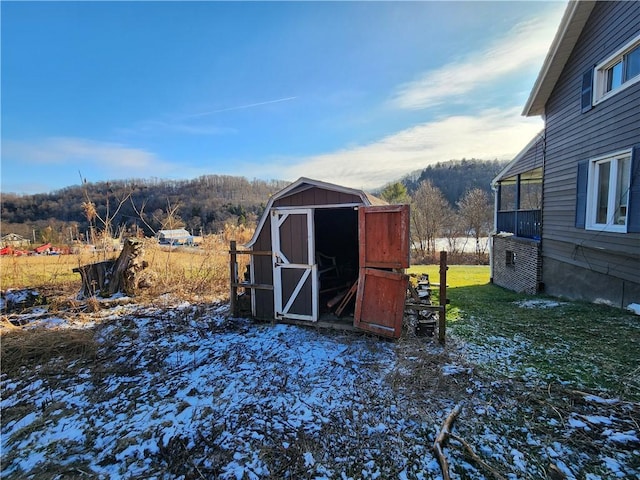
x,y
170,220
105,230
428,213
476,211
452,231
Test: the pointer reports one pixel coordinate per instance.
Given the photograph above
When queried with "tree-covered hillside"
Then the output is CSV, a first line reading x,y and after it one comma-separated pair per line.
x,y
456,177
202,205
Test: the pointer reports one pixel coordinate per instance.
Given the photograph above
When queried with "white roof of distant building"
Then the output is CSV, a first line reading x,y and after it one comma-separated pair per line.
x,y
178,232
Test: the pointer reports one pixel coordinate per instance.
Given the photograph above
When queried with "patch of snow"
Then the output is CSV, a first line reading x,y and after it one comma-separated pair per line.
x,y
19,296
451,369
538,304
597,399
565,469
634,307
233,395
604,301
576,423
622,437
309,461
613,465
518,460
597,419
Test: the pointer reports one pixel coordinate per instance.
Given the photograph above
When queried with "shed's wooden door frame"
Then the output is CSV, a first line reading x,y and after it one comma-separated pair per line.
x,y
301,268
382,285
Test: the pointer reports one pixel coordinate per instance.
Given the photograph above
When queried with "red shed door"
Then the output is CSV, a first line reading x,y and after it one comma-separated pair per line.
x,y
383,246
295,288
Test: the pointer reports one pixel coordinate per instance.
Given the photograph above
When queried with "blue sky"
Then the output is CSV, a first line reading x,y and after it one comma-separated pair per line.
x,y
354,93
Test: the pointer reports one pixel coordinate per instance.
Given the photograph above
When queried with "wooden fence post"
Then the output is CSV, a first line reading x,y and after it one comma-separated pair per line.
x,y
233,273
442,321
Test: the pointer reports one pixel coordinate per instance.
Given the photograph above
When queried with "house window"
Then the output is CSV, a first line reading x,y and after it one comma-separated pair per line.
x,y
507,195
619,71
608,192
510,258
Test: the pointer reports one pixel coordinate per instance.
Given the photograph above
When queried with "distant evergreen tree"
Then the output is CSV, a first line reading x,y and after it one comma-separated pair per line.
x,y
395,193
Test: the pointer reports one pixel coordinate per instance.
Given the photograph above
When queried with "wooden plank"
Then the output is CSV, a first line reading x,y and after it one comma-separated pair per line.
x,y
337,325
443,297
380,302
384,236
423,306
233,273
251,252
345,301
256,286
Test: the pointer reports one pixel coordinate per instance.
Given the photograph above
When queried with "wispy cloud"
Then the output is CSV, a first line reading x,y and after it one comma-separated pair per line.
x,y
242,107
79,152
524,46
192,123
490,134
176,125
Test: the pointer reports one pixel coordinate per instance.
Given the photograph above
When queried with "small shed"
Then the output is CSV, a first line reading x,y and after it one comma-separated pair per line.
x,y
327,253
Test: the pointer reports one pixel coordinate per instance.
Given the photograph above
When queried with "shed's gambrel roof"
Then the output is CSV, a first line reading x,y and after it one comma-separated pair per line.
x,y
304,184
571,26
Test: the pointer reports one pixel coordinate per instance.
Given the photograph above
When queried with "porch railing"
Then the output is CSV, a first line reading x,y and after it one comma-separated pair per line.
x,y
522,223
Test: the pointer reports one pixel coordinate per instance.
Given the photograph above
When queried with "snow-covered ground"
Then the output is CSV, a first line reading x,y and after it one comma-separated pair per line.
x,y
182,391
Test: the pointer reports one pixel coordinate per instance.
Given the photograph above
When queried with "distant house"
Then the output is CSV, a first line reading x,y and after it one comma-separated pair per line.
x,y
578,236
175,237
14,240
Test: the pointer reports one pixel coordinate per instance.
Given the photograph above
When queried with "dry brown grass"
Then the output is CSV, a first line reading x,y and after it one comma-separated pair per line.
x,y
188,273
43,270
196,272
201,272
55,348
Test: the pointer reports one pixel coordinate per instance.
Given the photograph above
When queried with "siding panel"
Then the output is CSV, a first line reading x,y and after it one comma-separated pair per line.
x,y
573,136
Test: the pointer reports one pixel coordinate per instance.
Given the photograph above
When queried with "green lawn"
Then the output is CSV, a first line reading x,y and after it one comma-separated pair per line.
x,y
457,275
578,344
582,345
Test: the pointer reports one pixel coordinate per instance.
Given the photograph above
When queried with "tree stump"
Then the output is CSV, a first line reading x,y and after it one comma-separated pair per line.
x,y
94,276
110,277
129,263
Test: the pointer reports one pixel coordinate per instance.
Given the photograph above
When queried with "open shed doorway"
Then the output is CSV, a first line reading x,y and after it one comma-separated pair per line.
x,y
336,245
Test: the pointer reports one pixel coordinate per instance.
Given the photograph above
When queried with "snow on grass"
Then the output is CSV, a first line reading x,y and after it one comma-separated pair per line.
x,y
538,303
183,391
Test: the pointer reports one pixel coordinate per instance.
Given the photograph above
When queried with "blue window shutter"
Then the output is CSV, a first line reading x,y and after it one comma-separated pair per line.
x,y
587,89
634,192
581,193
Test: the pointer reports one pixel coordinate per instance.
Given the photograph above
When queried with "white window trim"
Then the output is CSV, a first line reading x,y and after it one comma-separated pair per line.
x,y
592,187
600,73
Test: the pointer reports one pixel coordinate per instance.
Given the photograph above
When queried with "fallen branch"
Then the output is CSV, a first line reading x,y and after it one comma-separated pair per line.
x,y
474,456
441,440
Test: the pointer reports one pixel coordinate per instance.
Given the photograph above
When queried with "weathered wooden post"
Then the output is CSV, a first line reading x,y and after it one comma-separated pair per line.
x,y
233,273
442,321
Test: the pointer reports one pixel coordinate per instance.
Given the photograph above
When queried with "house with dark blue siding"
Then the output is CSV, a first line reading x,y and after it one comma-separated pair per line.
x,y
567,213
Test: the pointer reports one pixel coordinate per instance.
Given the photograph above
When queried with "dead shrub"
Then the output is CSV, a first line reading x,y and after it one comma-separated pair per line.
x,y
193,272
